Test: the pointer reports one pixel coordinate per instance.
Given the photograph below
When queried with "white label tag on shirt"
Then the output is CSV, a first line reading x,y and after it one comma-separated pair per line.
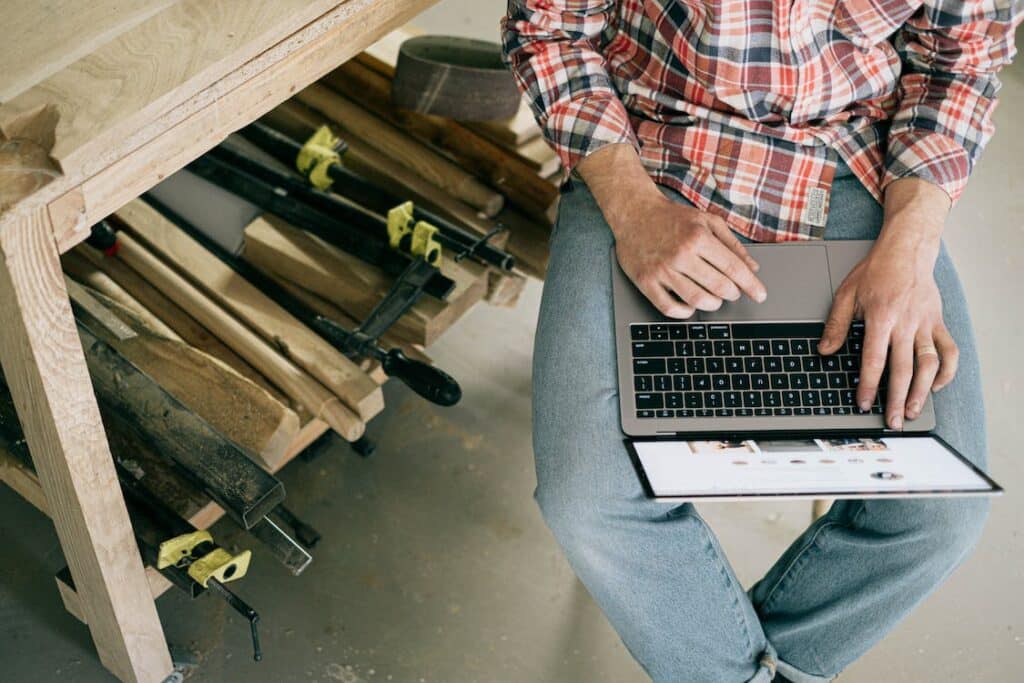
x,y
814,212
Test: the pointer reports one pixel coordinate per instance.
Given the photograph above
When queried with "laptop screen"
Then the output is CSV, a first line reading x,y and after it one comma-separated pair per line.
x,y
801,468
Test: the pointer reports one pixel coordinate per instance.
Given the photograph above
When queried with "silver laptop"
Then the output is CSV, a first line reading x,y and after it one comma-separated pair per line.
x,y
746,383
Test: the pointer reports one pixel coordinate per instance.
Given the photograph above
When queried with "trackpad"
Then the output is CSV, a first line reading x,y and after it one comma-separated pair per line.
x,y
796,277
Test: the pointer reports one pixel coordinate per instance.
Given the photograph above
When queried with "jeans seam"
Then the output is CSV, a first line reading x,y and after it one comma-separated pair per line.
x,y
723,571
801,557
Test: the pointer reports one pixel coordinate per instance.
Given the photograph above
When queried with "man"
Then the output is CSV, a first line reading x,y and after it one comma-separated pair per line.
x,y
689,127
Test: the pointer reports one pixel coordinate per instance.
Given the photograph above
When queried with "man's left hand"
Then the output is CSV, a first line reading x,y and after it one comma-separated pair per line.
x,y
893,290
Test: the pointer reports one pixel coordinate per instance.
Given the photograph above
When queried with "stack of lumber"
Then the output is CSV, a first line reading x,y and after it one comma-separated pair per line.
x,y
479,175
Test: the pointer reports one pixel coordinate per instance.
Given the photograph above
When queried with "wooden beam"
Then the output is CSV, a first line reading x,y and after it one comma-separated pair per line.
x,y
388,140
277,326
45,369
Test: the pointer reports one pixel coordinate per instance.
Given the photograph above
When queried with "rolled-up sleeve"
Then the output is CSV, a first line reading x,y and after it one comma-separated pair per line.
x,y
951,53
554,49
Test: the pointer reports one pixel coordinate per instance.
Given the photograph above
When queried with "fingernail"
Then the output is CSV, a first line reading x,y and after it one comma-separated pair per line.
x,y
761,296
865,405
912,408
896,422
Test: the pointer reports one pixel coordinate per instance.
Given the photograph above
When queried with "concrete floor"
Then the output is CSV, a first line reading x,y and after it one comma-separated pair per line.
x,y
436,566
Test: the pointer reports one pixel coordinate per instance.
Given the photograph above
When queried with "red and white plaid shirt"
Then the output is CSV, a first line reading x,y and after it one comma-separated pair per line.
x,y
745,106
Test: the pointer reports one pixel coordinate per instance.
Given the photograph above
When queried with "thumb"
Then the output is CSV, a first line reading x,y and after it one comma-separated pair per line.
x,y
838,323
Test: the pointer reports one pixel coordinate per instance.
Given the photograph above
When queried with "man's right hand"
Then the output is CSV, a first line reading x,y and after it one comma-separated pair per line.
x,y
682,259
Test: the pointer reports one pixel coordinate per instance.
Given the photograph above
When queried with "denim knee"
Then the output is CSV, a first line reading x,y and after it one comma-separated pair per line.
x,y
940,532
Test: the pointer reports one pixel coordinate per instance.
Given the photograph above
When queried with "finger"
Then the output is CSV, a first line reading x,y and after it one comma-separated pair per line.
x,y
901,373
711,279
838,324
665,302
734,268
729,239
926,365
872,362
691,293
949,357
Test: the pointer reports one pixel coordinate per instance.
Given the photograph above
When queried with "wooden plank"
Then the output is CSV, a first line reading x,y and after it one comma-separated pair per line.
x,y
502,170
355,286
388,140
291,337
539,156
278,369
45,368
528,242
52,35
236,407
299,121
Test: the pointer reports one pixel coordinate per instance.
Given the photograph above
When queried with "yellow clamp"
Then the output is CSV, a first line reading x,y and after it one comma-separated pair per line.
x,y
175,550
221,565
316,157
415,237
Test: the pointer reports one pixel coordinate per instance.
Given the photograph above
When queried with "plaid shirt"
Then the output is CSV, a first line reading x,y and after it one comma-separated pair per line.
x,y
745,106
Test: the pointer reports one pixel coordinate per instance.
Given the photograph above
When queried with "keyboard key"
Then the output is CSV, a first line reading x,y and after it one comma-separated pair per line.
x,y
662,383
698,332
674,400
713,399
818,380
752,399
740,382
720,382
830,363
665,413
759,382
856,345
773,364
822,411
659,335
684,348
715,365
782,412
791,364
762,347
753,364
779,381
780,347
704,412
701,382
830,397
648,366
744,412
802,411
847,397
741,347
724,412
773,399
718,331
638,332
684,413
850,363
810,398
733,365
649,402
733,399
723,348
693,399
837,380
695,365
762,412
791,398
644,413
841,410
704,348
677,332
776,330
798,381
800,347
643,383
652,349
811,363
676,366
681,382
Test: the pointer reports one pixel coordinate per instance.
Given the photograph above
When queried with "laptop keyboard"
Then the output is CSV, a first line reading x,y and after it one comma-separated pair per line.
x,y
743,370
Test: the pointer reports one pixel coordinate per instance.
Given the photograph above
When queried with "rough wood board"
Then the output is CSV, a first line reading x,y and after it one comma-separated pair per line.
x,y
292,338
52,35
45,368
355,286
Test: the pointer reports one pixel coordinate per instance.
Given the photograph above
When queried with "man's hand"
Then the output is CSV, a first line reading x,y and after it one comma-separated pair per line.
x,y
894,291
682,259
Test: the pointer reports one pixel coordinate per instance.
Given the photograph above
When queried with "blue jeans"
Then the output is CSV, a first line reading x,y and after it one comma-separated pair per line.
x,y
658,571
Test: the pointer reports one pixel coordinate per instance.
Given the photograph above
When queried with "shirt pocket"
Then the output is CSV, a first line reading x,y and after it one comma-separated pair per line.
x,y
866,23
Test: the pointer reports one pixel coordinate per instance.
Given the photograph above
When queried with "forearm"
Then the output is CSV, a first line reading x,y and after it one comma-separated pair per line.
x,y
915,215
619,182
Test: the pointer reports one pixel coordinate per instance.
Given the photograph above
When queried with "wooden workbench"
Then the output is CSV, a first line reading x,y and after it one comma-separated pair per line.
x,y
98,102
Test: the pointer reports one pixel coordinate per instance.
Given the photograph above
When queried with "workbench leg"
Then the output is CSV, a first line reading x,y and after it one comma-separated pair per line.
x,y
45,369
